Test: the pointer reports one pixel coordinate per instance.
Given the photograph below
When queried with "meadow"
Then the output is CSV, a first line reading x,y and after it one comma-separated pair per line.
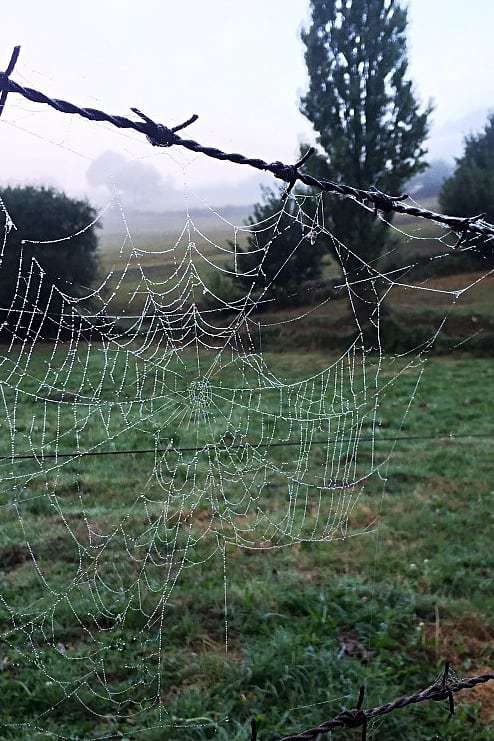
x,y
406,586
160,242
401,582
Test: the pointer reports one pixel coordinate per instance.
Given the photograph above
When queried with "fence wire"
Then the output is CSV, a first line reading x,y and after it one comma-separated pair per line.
x,y
160,135
171,449
444,688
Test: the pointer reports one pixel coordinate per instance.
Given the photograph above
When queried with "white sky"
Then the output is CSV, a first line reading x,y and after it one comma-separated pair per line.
x,y
238,64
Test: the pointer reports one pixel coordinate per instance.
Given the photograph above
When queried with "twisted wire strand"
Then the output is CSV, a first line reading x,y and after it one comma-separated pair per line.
x,y
163,136
443,689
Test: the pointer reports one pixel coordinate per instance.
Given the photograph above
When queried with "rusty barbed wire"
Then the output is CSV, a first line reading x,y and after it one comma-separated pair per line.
x,y
160,135
444,688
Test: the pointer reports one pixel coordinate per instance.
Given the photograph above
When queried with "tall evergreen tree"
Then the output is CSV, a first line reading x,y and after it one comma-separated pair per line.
x,y
470,190
368,125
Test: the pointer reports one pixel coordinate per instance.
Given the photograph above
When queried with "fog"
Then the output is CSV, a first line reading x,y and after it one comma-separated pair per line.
x,y
140,186
240,66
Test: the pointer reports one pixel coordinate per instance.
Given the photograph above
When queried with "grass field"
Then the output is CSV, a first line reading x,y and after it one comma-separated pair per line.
x,y
159,243
89,549
408,585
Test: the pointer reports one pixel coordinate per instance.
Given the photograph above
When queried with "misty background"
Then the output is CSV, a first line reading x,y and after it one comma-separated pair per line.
x,y
223,61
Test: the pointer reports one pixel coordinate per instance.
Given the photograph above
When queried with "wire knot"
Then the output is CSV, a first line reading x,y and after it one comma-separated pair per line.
x,y
445,690
4,77
352,718
160,135
290,173
357,717
382,201
465,228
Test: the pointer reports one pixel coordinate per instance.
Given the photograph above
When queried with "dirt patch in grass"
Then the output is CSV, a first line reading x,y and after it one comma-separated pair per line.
x,y
200,516
482,695
466,639
14,555
452,282
311,573
362,518
352,647
456,493
205,644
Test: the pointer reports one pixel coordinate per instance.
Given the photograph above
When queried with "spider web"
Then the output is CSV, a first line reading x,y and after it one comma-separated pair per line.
x,y
162,366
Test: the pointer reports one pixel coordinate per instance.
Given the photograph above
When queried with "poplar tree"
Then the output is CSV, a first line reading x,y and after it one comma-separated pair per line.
x,y
369,127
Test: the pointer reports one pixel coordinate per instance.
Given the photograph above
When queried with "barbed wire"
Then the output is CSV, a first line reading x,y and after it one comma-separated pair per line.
x,y
160,135
444,688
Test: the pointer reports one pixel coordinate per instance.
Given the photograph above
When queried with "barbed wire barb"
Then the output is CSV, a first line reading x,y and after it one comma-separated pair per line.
x,y
10,68
293,171
161,135
465,229
444,688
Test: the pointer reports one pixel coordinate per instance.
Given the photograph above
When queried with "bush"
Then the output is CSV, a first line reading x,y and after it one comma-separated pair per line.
x,y
35,278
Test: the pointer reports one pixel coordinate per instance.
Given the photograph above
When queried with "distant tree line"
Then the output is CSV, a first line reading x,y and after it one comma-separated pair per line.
x,y
470,190
370,132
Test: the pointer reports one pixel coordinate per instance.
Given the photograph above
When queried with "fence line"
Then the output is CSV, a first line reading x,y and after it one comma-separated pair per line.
x,y
243,446
160,135
444,688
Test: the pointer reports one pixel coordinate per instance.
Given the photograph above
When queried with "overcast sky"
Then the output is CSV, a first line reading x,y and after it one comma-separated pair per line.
x,y
238,64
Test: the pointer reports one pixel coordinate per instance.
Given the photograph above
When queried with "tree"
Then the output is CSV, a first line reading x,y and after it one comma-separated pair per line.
x,y
368,126
35,277
284,253
470,190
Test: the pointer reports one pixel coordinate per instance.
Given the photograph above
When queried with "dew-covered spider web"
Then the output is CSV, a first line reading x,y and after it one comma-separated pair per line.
x,y
169,374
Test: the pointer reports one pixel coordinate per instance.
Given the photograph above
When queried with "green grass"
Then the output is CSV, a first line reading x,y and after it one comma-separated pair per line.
x,y
404,587
159,247
153,236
